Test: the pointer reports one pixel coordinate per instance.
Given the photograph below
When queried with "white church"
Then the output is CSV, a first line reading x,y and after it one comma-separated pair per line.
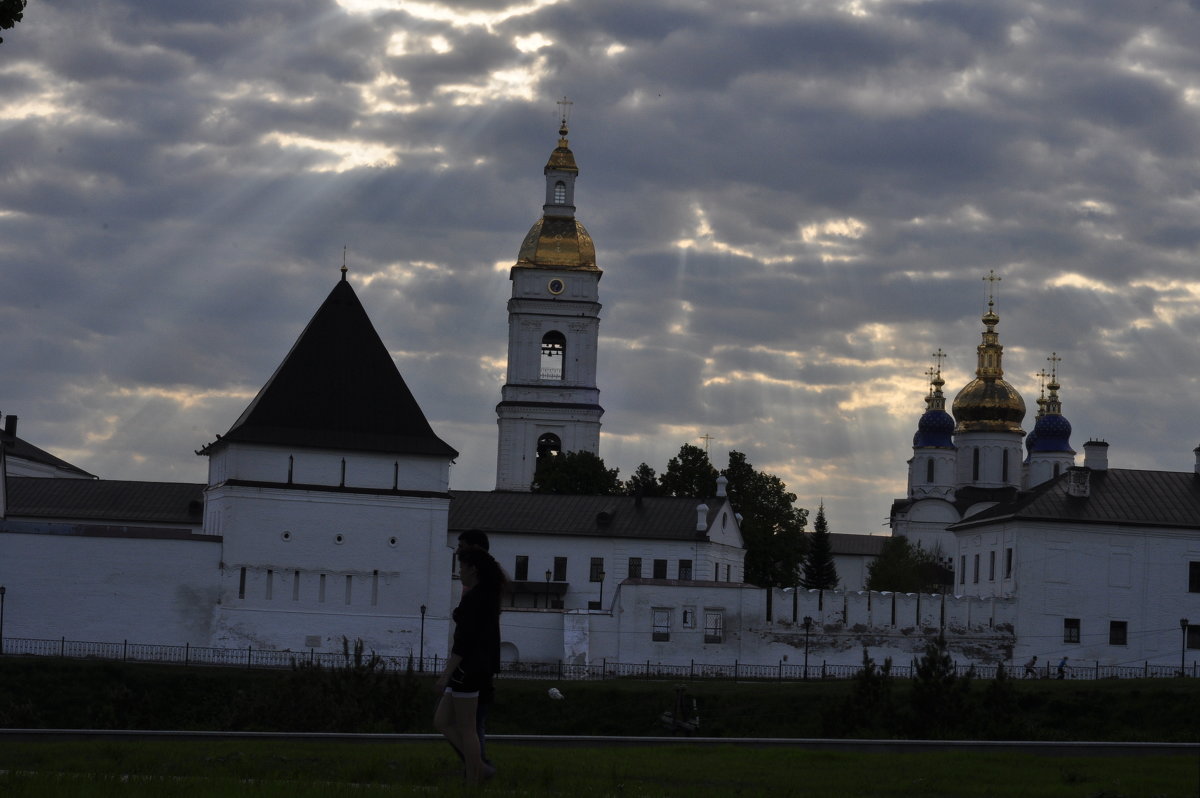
x,y
328,513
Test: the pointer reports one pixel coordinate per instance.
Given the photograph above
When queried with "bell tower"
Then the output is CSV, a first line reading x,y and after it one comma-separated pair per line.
x,y
549,403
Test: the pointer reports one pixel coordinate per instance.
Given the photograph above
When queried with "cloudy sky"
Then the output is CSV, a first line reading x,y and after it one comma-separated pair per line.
x,y
794,204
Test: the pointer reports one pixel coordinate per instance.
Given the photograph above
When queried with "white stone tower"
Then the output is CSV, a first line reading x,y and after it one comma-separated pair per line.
x,y
549,403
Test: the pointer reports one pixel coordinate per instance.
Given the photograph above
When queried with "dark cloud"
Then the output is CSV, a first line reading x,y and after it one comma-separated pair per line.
x,y
792,193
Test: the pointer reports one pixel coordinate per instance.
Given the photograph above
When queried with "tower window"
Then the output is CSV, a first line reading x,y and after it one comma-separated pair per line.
x,y
975,465
1056,469
1004,467
929,471
548,445
554,350
560,193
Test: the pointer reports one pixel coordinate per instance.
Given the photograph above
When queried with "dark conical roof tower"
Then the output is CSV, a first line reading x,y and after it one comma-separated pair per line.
x,y
338,388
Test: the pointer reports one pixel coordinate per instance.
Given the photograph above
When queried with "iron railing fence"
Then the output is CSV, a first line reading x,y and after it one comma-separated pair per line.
x,y
251,657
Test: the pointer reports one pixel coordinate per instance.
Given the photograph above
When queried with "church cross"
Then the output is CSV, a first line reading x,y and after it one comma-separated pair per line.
x,y
940,357
343,261
706,438
1042,375
1054,361
566,109
992,279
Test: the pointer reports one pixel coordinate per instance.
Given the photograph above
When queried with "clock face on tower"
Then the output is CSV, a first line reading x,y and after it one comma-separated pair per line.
x,y
556,286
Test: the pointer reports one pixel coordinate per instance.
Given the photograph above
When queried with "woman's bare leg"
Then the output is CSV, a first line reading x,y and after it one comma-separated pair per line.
x,y
455,719
468,734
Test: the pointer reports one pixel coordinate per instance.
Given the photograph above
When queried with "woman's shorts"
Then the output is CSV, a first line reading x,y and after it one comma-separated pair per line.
x,y
466,684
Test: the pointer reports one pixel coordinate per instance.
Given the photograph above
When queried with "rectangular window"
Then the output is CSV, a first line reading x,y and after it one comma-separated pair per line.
x,y
1193,636
349,582
1070,630
688,620
660,569
321,589
593,605
662,626
962,570
560,569
1008,563
635,567
521,569
975,576
295,585
242,584
685,569
1194,577
714,626
375,588
270,583
596,570
1118,633
991,566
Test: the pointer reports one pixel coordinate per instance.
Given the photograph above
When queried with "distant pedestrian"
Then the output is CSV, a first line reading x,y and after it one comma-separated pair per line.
x,y
469,667
1062,668
479,539
1031,669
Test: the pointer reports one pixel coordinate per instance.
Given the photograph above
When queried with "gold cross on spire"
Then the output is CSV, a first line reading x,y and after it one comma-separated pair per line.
x,y
931,372
940,357
992,278
566,110
1042,377
1054,361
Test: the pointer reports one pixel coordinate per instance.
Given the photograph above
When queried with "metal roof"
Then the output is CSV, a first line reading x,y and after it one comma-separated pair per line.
x,y
658,517
18,449
338,388
106,500
1116,496
863,545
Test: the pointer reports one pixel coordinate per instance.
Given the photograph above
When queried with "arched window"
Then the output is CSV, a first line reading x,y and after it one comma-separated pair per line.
x,y
1004,467
560,193
554,350
975,465
929,471
548,445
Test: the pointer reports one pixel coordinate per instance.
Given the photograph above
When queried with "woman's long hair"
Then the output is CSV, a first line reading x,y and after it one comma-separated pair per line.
x,y
491,576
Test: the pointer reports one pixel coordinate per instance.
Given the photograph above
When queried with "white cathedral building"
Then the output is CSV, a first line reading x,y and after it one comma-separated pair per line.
x,y
1102,564
328,513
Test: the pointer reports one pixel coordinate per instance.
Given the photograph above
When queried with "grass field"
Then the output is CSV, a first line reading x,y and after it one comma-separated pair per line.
x,y
328,770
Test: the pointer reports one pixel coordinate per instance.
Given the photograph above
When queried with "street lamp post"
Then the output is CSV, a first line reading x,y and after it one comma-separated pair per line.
x,y
547,588
807,629
1183,627
423,638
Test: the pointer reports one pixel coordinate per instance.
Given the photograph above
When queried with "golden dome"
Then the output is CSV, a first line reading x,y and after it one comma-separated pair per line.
x,y
558,242
988,405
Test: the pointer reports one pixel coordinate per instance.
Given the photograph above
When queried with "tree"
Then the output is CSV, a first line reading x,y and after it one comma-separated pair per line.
x,y
581,473
689,474
11,12
939,694
644,482
819,571
772,526
904,568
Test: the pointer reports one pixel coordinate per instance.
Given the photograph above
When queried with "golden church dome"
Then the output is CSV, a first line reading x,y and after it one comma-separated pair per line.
x,y
988,403
557,242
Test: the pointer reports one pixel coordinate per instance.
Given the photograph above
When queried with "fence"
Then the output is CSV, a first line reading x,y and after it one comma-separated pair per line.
x,y
251,657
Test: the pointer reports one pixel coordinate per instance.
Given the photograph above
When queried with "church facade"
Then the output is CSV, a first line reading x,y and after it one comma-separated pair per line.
x,y
1102,565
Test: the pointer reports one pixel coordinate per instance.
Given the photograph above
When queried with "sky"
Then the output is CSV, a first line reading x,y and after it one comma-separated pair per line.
x,y
794,205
